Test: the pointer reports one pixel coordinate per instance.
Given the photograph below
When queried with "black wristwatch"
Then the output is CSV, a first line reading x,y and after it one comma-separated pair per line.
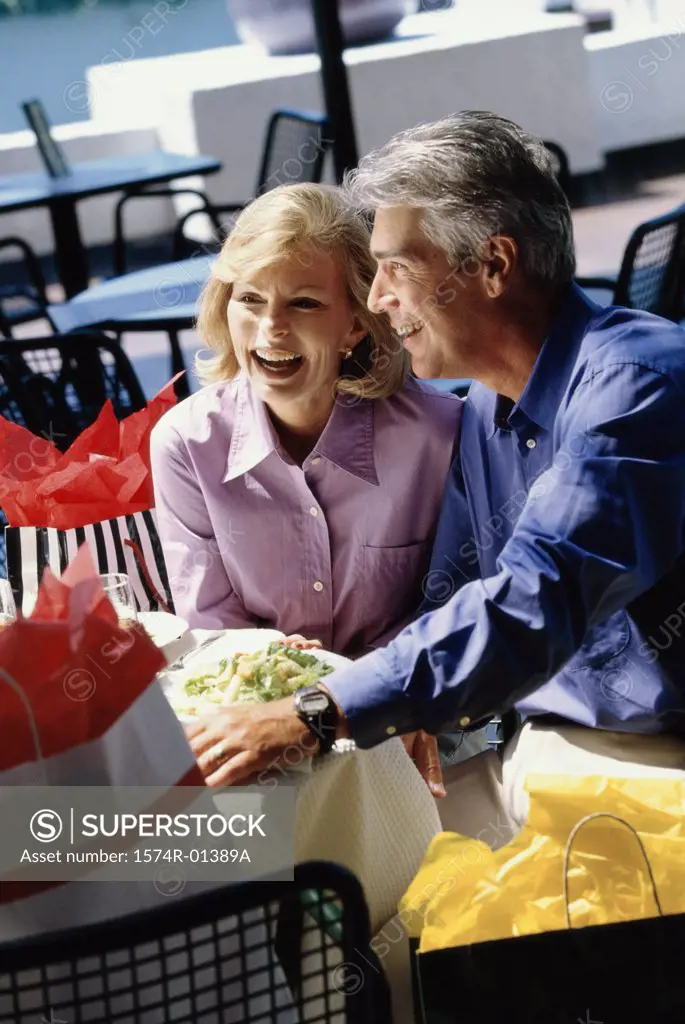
x,y
319,712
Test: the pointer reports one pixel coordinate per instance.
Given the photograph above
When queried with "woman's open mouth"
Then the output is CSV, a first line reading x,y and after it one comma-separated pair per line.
x,y
407,333
277,363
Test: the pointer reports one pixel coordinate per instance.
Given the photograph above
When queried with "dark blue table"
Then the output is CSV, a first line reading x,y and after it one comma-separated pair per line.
x,y
162,298
61,195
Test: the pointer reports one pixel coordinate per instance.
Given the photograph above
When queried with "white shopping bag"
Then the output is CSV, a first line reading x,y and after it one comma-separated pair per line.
x,y
80,705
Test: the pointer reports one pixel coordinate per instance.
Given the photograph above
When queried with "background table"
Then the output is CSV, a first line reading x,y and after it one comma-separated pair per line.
x,y
61,195
144,300
162,298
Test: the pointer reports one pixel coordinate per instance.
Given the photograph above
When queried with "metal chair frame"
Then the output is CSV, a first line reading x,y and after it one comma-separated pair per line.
x,y
669,302
317,122
180,246
60,401
35,291
197,980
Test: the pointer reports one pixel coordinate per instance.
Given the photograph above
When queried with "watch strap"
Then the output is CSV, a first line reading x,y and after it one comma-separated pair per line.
x,y
322,724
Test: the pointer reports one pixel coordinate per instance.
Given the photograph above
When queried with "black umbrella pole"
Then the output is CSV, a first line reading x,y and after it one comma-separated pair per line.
x,y
336,91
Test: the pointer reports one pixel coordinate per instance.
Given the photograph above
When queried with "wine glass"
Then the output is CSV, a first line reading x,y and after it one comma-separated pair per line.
x,y
118,588
8,610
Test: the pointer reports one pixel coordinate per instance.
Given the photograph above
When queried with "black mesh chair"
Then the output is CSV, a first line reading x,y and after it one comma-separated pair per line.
x,y
181,246
25,300
56,386
228,956
652,274
295,148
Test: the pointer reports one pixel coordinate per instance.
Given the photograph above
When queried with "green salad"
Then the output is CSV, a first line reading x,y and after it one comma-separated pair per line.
x,y
251,679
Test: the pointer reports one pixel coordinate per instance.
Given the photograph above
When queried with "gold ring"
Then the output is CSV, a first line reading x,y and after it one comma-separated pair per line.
x,y
221,751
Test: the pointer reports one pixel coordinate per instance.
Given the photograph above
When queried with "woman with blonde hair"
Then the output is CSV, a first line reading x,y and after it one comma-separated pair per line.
x,y
299,489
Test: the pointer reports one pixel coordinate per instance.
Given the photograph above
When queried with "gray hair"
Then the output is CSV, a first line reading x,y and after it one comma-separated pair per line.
x,y
475,175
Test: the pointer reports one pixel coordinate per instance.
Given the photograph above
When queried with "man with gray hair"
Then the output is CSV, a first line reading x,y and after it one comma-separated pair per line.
x,y
560,553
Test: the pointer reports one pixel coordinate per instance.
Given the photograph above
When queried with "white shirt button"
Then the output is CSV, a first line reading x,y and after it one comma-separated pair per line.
x,y
316,460
463,722
391,730
313,511
318,586
531,443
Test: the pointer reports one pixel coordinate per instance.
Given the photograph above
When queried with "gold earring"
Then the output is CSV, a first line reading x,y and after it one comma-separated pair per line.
x,y
347,353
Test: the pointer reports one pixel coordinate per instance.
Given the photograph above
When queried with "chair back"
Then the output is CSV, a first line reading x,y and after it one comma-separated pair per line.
x,y
294,149
560,164
252,952
652,274
57,386
26,299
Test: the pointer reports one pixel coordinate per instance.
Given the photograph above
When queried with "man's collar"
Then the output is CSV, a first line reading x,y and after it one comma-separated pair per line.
x,y
552,368
347,440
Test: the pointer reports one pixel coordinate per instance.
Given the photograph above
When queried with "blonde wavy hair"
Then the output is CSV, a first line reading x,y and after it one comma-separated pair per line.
x,y
283,224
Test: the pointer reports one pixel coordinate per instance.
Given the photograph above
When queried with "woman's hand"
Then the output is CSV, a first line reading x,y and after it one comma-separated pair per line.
x,y
423,750
301,643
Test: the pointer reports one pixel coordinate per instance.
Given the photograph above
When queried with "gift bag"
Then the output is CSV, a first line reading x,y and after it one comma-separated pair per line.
x,y
99,493
580,918
80,705
128,544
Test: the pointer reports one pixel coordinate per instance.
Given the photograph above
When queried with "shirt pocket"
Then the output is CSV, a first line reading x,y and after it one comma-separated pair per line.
x,y
392,585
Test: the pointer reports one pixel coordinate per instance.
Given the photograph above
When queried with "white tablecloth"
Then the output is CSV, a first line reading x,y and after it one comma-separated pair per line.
x,y
370,811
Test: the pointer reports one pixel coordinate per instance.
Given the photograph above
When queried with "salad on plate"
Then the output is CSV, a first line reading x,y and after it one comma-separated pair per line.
x,y
255,678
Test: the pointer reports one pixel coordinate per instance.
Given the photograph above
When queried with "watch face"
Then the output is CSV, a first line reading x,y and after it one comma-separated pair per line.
x,y
314,703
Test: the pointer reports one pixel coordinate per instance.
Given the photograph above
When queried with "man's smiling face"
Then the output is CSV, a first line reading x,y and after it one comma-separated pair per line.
x,y
429,303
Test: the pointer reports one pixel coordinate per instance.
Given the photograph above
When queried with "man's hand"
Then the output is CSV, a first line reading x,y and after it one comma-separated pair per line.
x,y
236,742
423,750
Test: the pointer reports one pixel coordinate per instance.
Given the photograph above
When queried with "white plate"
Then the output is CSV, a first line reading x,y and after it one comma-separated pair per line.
x,y
162,627
235,641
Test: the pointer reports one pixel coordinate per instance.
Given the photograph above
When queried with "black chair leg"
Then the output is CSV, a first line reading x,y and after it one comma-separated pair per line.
x,y
182,387
289,931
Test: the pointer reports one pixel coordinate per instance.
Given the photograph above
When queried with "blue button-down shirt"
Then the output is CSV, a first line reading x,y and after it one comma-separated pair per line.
x,y
558,576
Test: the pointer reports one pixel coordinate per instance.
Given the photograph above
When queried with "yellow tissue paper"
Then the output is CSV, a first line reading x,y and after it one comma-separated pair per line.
x,y
464,893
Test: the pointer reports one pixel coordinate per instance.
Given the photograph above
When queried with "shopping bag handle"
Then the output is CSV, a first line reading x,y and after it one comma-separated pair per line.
x,y
567,856
17,688
142,565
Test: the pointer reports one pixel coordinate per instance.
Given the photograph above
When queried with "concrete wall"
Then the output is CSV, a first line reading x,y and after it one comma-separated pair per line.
x,y
532,69
638,85
524,76
217,101
592,94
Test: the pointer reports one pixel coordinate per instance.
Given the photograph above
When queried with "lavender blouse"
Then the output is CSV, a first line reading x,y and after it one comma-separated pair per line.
x,y
336,548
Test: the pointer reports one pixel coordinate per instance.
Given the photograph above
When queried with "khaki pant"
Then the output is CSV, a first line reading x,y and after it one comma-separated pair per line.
x,y
486,796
